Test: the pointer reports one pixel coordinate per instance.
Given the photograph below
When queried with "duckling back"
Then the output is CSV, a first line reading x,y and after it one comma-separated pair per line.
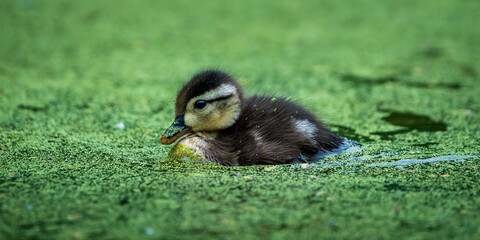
x,y
274,131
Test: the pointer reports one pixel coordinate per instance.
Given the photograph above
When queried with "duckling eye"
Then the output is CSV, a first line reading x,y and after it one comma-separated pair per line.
x,y
200,105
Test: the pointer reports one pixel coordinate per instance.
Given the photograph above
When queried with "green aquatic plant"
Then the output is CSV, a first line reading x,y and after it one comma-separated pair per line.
x,y
87,89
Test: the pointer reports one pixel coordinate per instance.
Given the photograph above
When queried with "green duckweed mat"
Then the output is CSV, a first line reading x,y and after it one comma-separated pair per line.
x,y
87,88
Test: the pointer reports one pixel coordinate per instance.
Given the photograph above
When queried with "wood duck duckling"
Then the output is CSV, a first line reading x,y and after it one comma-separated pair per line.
x,y
224,127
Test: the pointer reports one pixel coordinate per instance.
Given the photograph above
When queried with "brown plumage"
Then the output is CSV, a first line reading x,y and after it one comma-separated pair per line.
x,y
226,128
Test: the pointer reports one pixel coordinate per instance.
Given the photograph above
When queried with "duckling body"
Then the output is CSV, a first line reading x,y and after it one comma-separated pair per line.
x,y
226,128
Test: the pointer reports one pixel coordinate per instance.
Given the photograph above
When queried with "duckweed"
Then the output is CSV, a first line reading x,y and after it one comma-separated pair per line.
x,y
71,71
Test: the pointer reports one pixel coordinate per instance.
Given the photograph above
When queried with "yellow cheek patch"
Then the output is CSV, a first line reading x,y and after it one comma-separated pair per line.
x,y
218,115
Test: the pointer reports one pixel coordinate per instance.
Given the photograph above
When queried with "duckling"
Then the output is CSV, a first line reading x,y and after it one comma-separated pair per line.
x,y
222,126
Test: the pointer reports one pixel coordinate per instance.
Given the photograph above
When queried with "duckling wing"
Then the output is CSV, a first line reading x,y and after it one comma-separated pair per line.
x,y
276,131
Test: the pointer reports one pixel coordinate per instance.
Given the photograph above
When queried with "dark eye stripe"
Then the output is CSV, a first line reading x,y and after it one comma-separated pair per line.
x,y
220,98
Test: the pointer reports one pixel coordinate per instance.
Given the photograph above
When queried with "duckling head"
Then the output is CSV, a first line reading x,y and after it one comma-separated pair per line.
x,y
209,102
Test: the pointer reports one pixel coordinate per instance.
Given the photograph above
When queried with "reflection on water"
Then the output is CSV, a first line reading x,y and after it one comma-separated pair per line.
x,y
350,148
347,147
427,160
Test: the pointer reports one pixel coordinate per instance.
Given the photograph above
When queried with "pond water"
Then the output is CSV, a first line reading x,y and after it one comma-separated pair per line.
x,y
351,149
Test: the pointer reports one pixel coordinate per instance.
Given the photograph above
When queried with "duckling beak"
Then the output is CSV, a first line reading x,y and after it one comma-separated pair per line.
x,y
175,131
